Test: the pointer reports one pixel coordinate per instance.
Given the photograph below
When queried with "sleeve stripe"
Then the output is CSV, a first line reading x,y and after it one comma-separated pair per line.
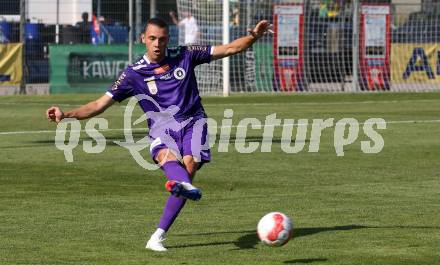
x,y
109,94
212,50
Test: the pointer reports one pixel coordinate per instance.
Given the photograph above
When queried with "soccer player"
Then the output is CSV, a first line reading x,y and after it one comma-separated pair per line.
x,y
166,79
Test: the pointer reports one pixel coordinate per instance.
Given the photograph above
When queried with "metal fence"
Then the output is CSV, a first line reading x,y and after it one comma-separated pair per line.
x,y
81,45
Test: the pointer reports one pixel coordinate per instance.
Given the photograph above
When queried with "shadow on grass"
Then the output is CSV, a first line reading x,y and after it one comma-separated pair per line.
x,y
306,231
304,261
260,139
250,239
248,232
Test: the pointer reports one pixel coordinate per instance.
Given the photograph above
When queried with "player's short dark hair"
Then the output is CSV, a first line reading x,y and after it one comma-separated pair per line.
x,y
157,22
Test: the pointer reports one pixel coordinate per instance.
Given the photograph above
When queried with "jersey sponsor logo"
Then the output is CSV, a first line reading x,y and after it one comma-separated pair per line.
x,y
151,84
179,73
119,81
165,77
162,69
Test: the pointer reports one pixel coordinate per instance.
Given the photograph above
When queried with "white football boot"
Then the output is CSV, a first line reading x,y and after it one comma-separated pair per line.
x,y
155,242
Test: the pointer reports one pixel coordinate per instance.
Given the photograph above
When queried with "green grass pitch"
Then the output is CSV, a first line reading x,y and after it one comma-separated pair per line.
x,y
357,209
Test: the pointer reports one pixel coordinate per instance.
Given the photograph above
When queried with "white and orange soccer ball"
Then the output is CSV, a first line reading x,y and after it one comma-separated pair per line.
x,y
275,229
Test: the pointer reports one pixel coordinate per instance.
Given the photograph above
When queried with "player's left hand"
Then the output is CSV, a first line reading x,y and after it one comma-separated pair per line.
x,y
262,28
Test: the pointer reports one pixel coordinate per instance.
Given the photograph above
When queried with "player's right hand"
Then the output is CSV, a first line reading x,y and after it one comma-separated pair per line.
x,y
262,28
54,114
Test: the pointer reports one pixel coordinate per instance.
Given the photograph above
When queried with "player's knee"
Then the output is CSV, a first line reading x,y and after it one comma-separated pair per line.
x,y
191,170
191,166
165,155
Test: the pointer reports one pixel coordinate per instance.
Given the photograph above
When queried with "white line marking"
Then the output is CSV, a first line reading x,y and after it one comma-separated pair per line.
x,y
322,103
39,132
254,104
38,104
233,126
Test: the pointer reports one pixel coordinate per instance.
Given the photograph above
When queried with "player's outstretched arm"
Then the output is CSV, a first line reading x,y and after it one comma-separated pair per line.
x,y
241,44
86,111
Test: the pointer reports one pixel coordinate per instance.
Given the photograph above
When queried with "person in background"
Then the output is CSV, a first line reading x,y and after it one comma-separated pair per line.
x,y
84,27
189,26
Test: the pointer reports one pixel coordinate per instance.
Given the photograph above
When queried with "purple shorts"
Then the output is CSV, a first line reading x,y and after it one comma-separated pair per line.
x,y
191,139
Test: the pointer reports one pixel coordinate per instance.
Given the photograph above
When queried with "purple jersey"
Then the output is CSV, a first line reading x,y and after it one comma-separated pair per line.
x,y
169,82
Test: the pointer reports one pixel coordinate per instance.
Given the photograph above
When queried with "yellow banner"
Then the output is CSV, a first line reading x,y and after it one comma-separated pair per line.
x,y
11,63
415,63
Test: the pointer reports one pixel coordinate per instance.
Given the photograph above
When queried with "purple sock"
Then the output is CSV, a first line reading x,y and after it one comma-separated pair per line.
x,y
173,171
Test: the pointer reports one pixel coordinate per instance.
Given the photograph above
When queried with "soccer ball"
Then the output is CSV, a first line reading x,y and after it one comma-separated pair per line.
x,y
275,229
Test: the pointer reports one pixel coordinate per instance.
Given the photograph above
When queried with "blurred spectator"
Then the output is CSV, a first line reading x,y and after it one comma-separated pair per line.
x,y
97,37
189,26
5,31
236,16
3,38
101,20
84,27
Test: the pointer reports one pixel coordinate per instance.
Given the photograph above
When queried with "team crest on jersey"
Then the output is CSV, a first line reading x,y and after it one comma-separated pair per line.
x,y
151,84
179,73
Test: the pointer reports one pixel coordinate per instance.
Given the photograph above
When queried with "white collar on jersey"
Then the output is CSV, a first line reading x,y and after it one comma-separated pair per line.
x,y
146,59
